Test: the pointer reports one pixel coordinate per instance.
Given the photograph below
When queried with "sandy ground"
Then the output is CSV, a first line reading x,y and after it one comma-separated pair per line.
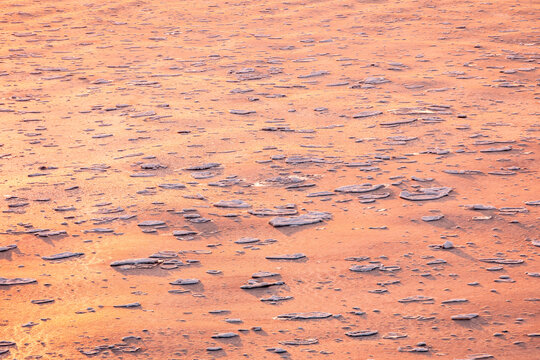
x,y
274,105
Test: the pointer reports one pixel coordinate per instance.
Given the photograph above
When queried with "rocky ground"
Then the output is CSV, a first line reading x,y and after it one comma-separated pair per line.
x,y
266,179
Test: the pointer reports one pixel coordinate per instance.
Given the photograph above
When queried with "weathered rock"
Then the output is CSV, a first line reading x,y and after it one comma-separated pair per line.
x,y
286,256
464,316
361,333
7,247
227,335
16,281
185,282
358,188
64,255
135,262
297,342
235,204
426,194
305,316
305,219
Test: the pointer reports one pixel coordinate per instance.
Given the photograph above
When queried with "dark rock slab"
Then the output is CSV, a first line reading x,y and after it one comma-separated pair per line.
x,y
42,301
203,166
361,333
227,335
276,298
259,285
286,256
64,255
128,306
135,262
181,233
8,247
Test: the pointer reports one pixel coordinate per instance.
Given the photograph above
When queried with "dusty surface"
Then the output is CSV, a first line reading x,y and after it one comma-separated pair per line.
x,y
104,101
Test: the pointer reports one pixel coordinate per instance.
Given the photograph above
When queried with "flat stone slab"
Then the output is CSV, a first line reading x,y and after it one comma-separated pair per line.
x,y
151,223
263,274
416,298
8,247
203,166
185,282
227,335
464,316
276,298
181,233
235,204
242,112
433,193
64,255
258,285
305,219
362,188
502,261
135,262
429,218
361,333
297,342
128,306
16,281
286,256
172,186
273,212
305,316
365,268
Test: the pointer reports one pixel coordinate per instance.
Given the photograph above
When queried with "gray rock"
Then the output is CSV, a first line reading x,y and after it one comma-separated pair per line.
x,y
362,188
252,284
286,256
135,262
416,298
227,335
464,316
305,219
297,342
185,282
64,255
151,223
16,281
7,247
305,316
128,306
361,333
275,298
235,204
426,194
432,218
